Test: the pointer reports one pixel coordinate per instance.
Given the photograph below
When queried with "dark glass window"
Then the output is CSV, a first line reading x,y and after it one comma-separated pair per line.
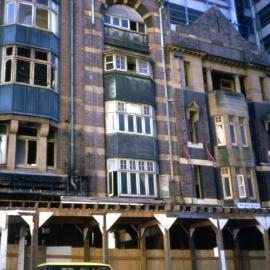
x,y
40,74
23,71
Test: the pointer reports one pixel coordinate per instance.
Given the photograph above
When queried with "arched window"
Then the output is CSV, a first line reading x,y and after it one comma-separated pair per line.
x,y
124,17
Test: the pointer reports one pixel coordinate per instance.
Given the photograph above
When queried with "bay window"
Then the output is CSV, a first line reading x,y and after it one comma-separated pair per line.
x,y
128,177
29,66
129,118
41,14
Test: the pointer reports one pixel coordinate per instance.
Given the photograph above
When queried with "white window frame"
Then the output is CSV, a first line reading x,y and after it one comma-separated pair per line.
x,y
32,60
120,26
242,126
232,129
141,167
112,119
125,69
35,5
225,174
26,139
220,127
241,184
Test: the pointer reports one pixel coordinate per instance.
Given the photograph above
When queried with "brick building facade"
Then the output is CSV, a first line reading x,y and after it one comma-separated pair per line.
x,y
121,138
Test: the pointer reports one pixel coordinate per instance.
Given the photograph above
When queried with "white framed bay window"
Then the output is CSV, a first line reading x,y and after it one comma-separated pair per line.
x,y
130,118
132,178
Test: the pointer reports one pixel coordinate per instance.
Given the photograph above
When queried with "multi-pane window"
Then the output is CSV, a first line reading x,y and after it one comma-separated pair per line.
x,y
129,118
27,146
250,187
232,130
240,182
125,23
226,183
29,66
243,132
3,143
42,14
127,63
132,178
198,182
220,131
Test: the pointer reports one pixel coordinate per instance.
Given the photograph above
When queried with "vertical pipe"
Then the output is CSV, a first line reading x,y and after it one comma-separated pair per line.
x,y
72,94
166,93
93,11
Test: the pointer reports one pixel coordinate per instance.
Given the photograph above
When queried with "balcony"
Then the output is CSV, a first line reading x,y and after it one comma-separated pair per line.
x,y
125,39
32,183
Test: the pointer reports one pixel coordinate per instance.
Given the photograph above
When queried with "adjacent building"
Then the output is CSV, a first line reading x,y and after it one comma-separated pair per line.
x,y
130,140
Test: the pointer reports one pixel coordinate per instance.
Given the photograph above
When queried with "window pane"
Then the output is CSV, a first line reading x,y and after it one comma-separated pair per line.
x,y
3,146
32,152
243,135
20,152
53,78
250,186
151,184
124,183
8,70
133,26
10,13
42,18
120,62
121,122
24,52
124,23
54,22
23,71
227,187
141,27
142,184
232,134
116,21
130,123
131,64
43,2
107,19
9,51
50,154
139,124
147,125
133,183
27,131
40,74
25,14
41,55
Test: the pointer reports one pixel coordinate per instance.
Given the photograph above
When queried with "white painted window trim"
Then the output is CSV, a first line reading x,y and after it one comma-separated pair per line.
x,y
116,167
220,128
225,173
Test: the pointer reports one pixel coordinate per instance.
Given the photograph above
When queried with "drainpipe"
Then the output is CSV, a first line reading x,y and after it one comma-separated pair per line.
x,y
72,84
166,94
93,11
